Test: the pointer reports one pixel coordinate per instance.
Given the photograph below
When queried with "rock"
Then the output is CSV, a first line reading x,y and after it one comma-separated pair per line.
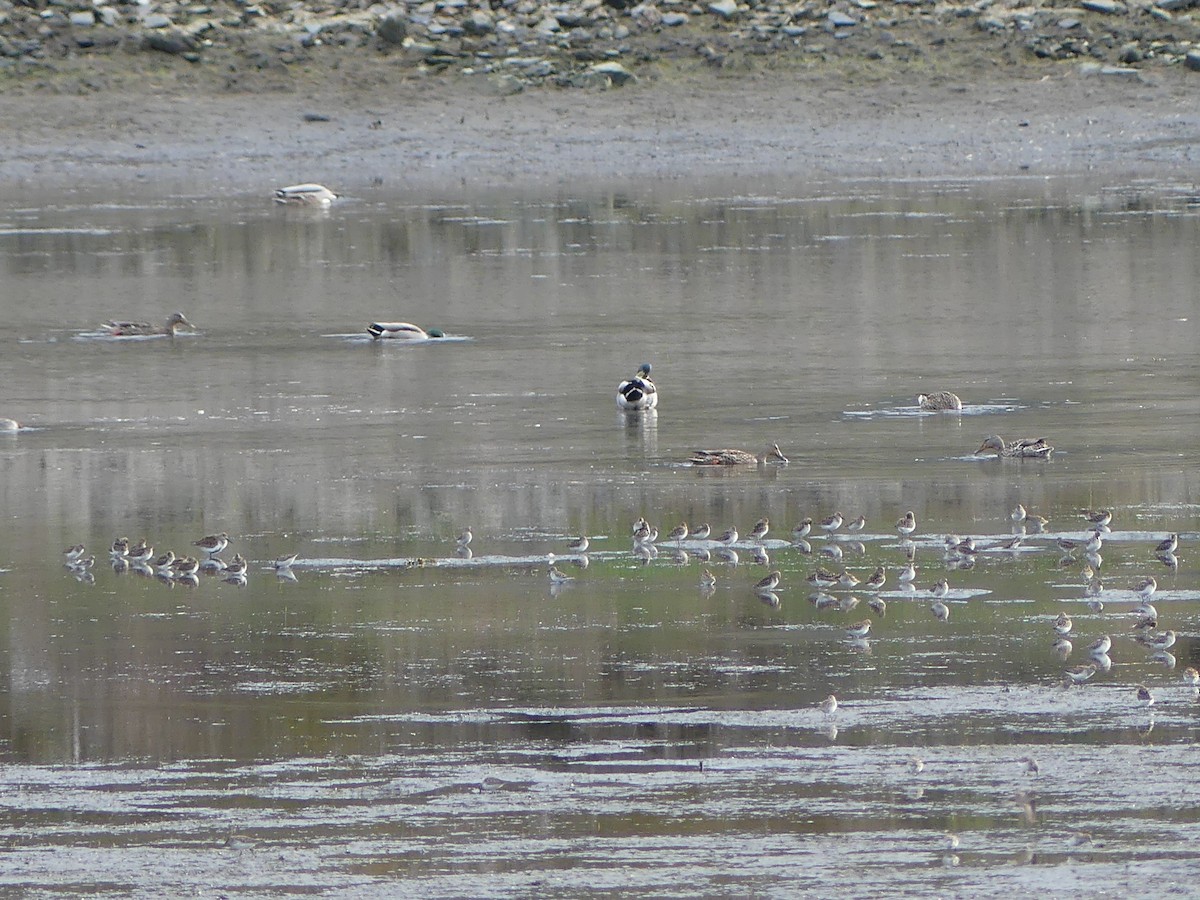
x,y
479,23
614,72
392,29
171,41
672,19
83,19
725,9
156,20
1130,53
1108,7
1192,60
839,19
1068,24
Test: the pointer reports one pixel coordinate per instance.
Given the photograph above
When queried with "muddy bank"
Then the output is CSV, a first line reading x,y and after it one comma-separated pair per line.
x,y
449,130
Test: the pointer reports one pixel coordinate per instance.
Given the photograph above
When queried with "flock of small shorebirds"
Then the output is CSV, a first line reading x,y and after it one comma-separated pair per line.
x,y
959,551
168,567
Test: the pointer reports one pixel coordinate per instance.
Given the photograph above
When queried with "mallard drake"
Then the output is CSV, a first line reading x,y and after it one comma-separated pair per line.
x,y
305,195
939,401
639,391
737,457
133,329
402,331
1037,448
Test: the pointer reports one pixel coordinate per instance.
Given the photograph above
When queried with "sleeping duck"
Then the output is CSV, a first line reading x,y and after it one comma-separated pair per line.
x,y
639,391
305,195
402,331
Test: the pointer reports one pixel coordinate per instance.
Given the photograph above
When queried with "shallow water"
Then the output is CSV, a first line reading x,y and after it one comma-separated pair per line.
x,y
389,711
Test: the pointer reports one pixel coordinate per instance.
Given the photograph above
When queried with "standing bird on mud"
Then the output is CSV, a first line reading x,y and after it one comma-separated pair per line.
x,y
638,392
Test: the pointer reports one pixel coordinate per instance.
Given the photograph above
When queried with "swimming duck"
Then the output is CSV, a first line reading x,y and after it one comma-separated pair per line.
x,y
639,391
939,401
305,195
133,329
402,331
1025,448
737,457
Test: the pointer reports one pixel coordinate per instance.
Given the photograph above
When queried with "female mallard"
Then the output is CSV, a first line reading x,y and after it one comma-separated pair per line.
x,y
305,195
141,329
402,331
939,401
1025,448
639,391
737,457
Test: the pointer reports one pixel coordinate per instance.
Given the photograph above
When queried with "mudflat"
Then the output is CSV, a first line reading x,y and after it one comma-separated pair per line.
x,y
353,127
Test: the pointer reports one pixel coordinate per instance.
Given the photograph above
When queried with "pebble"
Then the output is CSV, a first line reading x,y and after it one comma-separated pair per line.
x,y
726,9
1108,7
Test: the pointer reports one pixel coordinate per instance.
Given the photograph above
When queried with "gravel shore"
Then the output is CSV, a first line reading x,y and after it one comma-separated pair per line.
x,y
531,93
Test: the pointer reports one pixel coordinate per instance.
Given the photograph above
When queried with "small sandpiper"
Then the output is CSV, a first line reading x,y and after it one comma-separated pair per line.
x,y
1062,648
678,533
1018,514
877,579
185,566
848,579
558,576
165,561
1100,646
707,579
1191,677
858,524
1146,587
1167,546
464,539
213,544
878,606
728,537
830,524
1030,765
74,553
822,578
1080,674
1164,640
120,548
859,630
1144,697
829,705
760,529
1063,624
908,574
802,530
238,566
701,533
833,551
940,611
579,544
1097,518
768,583
941,589
141,553
1036,523
907,523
